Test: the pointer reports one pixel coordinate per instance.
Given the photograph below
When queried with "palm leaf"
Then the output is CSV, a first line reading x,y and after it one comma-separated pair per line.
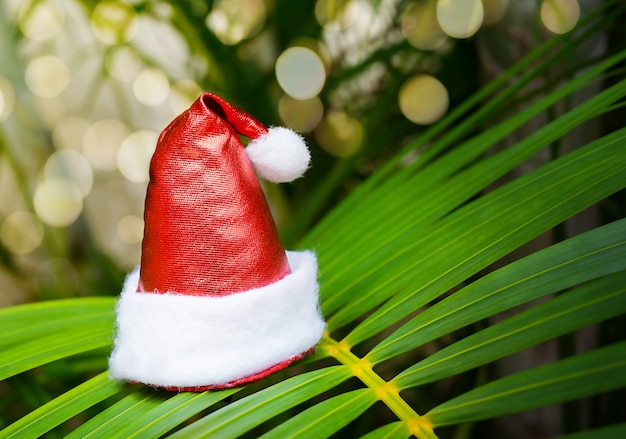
x,y
580,259
61,329
395,430
588,304
248,412
327,417
146,413
410,235
482,232
64,407
610,432
575,377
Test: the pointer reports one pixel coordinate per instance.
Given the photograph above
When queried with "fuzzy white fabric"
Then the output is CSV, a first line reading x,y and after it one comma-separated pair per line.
x,y
174,340
279,156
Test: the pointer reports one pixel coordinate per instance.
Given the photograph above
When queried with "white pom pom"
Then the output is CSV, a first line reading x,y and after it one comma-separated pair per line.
x,y
280,155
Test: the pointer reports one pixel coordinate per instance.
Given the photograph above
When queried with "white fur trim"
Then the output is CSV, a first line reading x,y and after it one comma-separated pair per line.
x,y
174,340
279,156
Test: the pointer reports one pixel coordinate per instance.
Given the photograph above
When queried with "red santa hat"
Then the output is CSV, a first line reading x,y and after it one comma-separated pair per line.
x,y
216,301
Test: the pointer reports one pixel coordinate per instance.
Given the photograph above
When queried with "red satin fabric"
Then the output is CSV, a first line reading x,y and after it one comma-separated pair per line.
x,y
208,228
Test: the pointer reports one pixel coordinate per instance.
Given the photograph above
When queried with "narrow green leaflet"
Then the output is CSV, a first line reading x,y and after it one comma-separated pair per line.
x,y
591,303
147,413
405,211
399,271
575,377
417,201
24,322
579,259
483,231
395,430
325,418
169,413
463,119
59,329
235,419
102,424
490,100
62,408
52,345
47,348
610,432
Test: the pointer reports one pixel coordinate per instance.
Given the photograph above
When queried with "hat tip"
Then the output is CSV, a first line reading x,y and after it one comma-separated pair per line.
x,y
280,156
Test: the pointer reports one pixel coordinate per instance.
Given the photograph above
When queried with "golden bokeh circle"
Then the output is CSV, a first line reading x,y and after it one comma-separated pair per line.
x,y
560,16
460,18
335,14
301,115
423,99
300,72
58,202
130,229
114,22
47,76
41,20
151,87
122,63
70,164
232,21
102,141
21,232
420,26
339,134
134,154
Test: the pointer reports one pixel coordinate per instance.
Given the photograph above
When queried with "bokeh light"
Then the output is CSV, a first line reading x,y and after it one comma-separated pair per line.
x,y
101,142
58,201
133,157
114,22
300,72
21,232
47,76
52,110
335,14
301,115
70,164
130,229
151,87
317,47
494,10
41,20
7,98
560,16
235,20
420,26
182,94
123,63
460,18
339,134
69,133
423,99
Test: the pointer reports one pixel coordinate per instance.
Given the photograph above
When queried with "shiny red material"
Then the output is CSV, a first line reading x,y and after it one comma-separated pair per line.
x,y
208,228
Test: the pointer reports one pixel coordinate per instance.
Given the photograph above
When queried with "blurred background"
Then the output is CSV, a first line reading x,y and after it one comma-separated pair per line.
x,y
87,86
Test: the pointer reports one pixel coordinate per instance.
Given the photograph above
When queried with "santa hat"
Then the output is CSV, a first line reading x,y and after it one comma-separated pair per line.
x,y
216,301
